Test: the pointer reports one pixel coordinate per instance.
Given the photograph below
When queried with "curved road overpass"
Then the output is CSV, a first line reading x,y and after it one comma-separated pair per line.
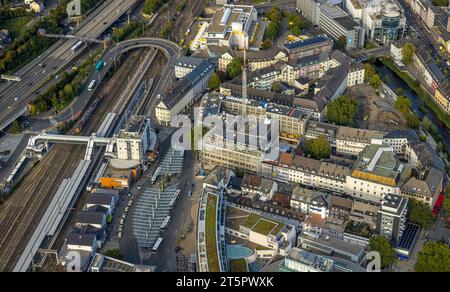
x,y
170,49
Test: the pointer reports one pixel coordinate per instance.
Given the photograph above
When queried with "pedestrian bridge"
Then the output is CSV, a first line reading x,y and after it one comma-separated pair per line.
x,y
90,142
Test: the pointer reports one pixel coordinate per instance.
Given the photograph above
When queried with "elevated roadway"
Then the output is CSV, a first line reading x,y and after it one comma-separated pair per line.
x,y
15,97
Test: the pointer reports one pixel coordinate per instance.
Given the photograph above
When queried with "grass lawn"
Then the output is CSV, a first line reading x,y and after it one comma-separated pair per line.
x,y
211,233
15,25
238,266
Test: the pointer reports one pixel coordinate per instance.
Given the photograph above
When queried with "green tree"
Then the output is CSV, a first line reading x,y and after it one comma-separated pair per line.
x,y
342,111
382,245
296,23
408,52
234,68
276,87
318,148
272,30
420,213
375,82
412,120
426,124
434,257
214,82
342,43
369,71
447,199
403,104
114,253
400,91
266,44
15,128
443,3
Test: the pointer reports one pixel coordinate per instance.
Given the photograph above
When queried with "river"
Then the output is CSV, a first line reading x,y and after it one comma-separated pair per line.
x,y
419,107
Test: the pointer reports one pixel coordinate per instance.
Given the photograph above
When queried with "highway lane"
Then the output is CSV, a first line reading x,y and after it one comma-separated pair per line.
x,y
16,96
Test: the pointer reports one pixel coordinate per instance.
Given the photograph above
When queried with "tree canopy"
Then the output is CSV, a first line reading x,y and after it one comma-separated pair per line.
x,y
296,23
447,199
318,148
408,52
342,111
342,43
273,28
214,82
276,87
434,257
420,213
369,72
443,3
375,81
382,245
235,68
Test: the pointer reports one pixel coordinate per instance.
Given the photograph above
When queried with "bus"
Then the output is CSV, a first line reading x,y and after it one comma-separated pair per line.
x,y
174,199
157,244
92,85
99,65
77,46
165,223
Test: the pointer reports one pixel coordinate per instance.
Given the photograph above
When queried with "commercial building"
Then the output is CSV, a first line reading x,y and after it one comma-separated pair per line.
x,y
254,185
273,236
398,139
256,60
332,85
309,201
225,149
320,174
299,260
442,95
330,246
292,119
338,24
185,92
377,173
430,71
185,65
421,156
318,45
353,140
425,187
340,208
383,21
392,217
230,25
136,139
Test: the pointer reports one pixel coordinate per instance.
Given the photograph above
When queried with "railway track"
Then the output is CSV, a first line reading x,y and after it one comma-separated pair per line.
x,y
20,215
111,86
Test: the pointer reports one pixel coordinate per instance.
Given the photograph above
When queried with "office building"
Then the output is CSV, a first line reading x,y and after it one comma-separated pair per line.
x,y
383,20
299,260
338,24
231,25
392,217
185,93
136,139
377,173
